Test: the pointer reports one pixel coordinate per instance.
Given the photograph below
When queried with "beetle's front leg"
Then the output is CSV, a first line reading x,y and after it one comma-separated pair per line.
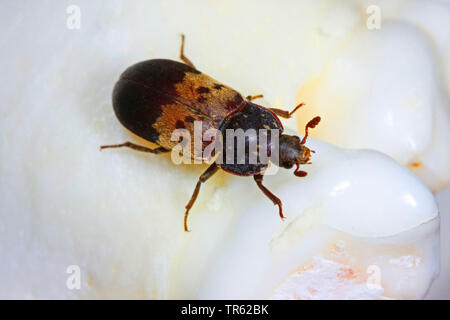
x,y
205,176
276,201
284,113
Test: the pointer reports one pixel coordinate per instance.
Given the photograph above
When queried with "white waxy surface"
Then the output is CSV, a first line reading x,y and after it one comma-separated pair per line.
x,y
385,90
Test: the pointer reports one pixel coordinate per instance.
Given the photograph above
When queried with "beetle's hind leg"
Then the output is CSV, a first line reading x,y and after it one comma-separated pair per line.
x,y
136,147
276,201
205,176
182,56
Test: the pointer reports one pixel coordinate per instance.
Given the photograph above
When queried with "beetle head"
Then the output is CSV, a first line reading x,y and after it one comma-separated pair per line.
x,y
292,152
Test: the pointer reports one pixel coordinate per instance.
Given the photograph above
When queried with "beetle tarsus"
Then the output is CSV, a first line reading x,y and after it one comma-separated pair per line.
x,y
185,221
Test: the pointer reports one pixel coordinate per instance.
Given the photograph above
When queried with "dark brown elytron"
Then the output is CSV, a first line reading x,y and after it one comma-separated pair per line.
x,y
154,97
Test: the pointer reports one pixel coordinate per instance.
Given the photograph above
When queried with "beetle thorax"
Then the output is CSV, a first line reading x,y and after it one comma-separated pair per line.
x,y
255,127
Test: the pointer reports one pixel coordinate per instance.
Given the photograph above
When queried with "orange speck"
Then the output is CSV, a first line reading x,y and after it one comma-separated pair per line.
x,y
312,291
415,164
346,273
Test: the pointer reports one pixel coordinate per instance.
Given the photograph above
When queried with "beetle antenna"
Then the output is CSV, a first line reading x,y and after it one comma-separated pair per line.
x,y
311,124
298,172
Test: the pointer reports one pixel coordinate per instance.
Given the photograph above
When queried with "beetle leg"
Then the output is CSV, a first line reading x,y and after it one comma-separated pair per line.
x,y
136,147
250,98
205,176
182,56
284,113
276,201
